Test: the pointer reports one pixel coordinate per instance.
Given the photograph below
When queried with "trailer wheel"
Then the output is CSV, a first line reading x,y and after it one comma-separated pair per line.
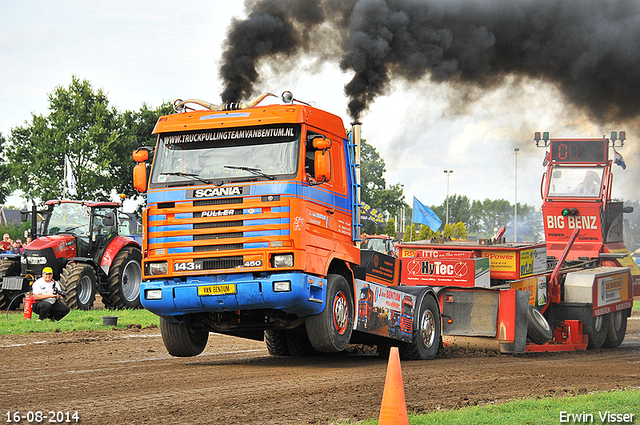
x,y
538,329
183,340
426,337
125,276
330,331
9,268
617,329
599,330
298,342
78,280
276,340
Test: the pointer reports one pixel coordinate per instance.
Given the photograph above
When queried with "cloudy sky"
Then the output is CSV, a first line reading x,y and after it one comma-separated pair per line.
x,y
154,51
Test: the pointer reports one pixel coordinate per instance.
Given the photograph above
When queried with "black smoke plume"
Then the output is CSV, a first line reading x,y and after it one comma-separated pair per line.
x,y
587,48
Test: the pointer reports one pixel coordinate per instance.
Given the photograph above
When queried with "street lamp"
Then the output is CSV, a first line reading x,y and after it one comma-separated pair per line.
x,y
515,206
448,173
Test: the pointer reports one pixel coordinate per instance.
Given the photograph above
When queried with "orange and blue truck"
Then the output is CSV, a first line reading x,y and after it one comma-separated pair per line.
x,y
252,229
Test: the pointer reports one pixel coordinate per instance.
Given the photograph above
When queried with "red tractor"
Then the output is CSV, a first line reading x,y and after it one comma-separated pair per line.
x,y
83,244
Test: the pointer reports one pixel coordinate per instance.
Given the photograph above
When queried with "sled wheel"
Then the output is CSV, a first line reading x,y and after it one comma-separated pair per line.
x,y
276,340
538,329
599,331
183,340
617,329
125,276
330,331
426,336
78,280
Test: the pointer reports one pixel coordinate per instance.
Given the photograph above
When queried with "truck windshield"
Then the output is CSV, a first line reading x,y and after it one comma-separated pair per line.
x,y
221,156
583,182
69,218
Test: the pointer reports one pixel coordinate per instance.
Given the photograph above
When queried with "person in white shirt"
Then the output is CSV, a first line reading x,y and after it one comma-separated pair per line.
x,y
48,304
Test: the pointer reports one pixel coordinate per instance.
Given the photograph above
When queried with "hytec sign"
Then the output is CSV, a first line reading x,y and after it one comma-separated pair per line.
x,y
446,271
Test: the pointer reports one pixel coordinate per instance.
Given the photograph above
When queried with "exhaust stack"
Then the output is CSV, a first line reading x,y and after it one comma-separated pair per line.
x,y
355,139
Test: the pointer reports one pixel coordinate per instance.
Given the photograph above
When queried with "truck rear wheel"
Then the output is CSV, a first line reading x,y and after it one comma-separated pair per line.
x,y
125,276
330,331
78,280
183,340
426,336
298,342
538,329
617,329
599,331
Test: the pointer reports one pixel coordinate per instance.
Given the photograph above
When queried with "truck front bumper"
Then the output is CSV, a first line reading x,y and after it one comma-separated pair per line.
x,y
293,293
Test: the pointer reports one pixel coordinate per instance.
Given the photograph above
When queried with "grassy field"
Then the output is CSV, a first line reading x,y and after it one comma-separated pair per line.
x,y
76,320
551,411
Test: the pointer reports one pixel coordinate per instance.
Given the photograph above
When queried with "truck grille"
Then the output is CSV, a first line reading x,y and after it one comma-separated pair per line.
x,y
217,226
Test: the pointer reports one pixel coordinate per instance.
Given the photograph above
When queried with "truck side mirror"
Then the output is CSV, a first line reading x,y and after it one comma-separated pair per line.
x,y
140,177
321,143
323,166
627,210
140,155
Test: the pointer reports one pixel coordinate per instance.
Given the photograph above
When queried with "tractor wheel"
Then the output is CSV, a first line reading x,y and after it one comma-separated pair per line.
x,y
298,342
330,331
425,340
617,329
182,340
538,329
276,340
125,276
599,331
78,280
9,268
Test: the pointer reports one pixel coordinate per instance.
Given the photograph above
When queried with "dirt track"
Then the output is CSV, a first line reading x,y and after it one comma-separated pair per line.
x,y
117,377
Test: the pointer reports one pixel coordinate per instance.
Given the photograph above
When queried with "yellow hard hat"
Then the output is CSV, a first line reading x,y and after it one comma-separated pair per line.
x,y
47,270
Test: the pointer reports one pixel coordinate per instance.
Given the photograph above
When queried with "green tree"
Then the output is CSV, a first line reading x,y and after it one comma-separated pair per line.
x,y
459,209
374,187
95,138
390,229
5,171
455,231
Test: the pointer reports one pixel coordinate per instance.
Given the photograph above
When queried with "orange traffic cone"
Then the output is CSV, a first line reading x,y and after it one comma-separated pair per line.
x,y
394,408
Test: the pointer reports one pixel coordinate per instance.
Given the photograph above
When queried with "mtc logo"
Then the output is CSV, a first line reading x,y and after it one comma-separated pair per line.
x,y
572,222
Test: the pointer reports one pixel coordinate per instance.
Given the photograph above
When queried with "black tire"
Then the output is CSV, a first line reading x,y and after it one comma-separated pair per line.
x,y
425,340
276,340
330,331
9,268
599,330
538,329
617,329
384,347
182,340
298,343
125,276
79,281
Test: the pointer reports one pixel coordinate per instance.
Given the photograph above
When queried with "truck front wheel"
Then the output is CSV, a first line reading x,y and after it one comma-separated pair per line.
x,y
330,331
426,336
182,340
79,282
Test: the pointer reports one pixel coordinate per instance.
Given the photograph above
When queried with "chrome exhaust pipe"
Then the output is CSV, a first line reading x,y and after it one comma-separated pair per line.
x,y
179,104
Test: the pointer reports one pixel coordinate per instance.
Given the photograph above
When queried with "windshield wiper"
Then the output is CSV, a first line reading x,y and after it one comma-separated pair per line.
x,y
255,171
195,176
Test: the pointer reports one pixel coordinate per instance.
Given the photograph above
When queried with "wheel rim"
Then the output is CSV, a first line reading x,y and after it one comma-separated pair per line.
x,y
428,328
597,323
340,313
84,294
131,278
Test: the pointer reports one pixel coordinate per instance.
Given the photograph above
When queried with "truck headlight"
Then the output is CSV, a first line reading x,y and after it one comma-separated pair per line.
x,y
154,269
37,260
153,294
282,286
282,260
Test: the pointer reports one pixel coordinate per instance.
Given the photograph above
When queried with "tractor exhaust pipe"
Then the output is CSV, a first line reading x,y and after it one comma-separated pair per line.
x,y
356,132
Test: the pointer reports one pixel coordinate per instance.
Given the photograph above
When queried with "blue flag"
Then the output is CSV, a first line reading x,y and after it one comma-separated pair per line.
x,y
424,215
